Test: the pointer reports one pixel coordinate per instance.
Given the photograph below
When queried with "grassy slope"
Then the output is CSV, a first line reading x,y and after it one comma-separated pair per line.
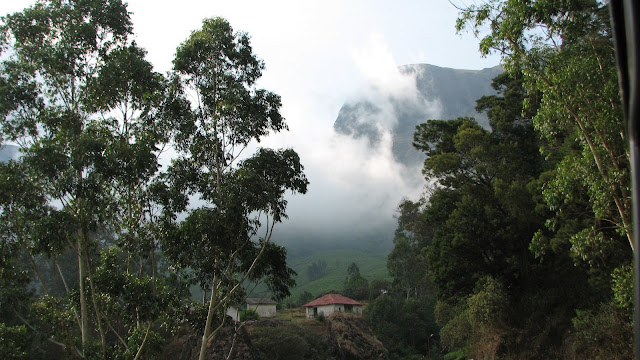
x,y
371,265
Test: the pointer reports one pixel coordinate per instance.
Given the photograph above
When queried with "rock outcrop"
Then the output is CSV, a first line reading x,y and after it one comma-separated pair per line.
x,y
354,339
187,347
341,336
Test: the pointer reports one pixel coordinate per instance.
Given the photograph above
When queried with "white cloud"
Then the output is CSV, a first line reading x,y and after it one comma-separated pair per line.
x,y
353,184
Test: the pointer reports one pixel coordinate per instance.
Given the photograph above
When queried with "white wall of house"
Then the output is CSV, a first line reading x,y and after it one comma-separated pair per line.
x,y
264,310
234,313
326,310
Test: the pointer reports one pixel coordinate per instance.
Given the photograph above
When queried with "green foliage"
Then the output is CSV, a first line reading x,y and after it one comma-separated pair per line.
x,y
406,262
479,325
14,342
305,297
454,331
379,287
455,355
571,64
14,279
249,314
622,287
355,285
220,66
87,110
405,326
219,243
477,227
87,205
316,270
407,266
603,333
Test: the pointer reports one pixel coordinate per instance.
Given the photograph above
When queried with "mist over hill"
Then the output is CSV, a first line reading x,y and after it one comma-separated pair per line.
x,y
440,93
367,163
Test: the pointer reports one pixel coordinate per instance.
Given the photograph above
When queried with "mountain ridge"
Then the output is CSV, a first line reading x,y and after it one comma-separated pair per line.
x,y
440,93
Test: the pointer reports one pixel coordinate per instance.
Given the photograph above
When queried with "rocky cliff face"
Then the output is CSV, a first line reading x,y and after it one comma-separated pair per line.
x,y
422,92
353,338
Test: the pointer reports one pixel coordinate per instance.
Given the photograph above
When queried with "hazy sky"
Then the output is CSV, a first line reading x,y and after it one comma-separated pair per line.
x,y
318,55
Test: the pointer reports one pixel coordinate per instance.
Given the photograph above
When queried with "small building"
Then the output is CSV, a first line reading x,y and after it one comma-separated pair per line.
x,y
265,307
331,303
234,313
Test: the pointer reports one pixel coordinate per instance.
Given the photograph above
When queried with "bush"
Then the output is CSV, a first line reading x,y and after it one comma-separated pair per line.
x,y
289,342
622,279
249,314
603,333
13,342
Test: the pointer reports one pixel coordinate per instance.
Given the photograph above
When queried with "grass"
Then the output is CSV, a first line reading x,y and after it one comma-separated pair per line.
x,y
372,265
295,315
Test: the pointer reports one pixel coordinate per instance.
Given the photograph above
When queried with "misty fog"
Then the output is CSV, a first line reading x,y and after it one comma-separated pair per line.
x,y
356,184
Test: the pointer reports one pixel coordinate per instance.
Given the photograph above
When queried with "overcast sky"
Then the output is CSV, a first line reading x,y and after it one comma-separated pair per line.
x,y
318,55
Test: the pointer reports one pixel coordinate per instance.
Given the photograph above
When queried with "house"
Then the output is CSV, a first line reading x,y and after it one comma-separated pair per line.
x,y
330,303
234,313
265,307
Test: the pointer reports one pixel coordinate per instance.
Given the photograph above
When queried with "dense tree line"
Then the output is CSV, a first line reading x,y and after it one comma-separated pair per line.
x,y
99,241
523,235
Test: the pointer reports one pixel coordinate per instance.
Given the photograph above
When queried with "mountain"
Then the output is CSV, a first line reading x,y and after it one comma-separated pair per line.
x,y
385,113
438,93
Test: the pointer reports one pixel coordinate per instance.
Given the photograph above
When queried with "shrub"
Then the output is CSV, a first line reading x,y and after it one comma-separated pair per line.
x,y
622,279
602,333
249,314
13,342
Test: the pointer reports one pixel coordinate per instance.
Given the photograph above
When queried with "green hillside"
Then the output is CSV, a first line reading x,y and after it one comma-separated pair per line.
x,y
373,265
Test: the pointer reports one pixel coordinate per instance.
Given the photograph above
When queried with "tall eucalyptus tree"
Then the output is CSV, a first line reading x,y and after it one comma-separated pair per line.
x,y
84,106
227,240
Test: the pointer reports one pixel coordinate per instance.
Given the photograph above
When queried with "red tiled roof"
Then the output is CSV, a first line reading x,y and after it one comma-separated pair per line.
x,y
332,299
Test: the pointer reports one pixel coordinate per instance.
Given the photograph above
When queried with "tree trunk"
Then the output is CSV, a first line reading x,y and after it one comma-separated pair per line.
x,y
207,327
84,310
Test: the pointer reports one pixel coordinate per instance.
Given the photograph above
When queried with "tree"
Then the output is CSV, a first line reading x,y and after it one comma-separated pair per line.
x,y
484,210
406,263
86,109
316,270
355,285
305,297
92,119
566,54
404,326
227,240
406,266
